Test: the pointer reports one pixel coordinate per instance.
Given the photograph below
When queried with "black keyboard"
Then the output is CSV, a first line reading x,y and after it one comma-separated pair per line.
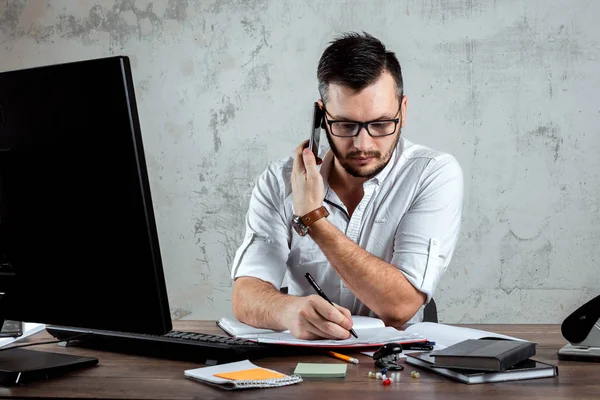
x,y
178,345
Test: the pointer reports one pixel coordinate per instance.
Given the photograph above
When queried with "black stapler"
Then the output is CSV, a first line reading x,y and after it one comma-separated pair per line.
x,y
582,330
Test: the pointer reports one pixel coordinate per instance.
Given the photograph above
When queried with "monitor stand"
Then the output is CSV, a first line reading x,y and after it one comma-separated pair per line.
x,y
19,365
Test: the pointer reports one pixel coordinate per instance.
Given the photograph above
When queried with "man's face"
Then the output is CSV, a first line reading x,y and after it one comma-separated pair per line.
x,y
364,156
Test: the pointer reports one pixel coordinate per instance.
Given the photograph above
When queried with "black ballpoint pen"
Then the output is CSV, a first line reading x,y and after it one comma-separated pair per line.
x,y
417,346
320,292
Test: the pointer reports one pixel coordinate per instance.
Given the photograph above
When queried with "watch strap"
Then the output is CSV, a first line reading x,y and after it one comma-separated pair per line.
x,y
314,215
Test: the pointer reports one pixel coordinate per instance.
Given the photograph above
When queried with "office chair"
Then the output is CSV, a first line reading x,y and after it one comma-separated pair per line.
x,y
430,312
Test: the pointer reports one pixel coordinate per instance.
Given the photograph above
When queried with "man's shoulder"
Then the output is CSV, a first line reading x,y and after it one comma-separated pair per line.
x,y
434,158
412,151
276,176
281,168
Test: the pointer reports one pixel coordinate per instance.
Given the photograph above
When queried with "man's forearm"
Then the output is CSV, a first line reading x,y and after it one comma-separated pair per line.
x,y
378,284
258,303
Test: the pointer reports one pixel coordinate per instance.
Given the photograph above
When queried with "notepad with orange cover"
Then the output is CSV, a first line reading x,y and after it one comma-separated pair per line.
x,y
241,375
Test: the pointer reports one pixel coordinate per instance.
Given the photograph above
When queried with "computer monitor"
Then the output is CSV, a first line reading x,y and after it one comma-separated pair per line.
x,y
78,238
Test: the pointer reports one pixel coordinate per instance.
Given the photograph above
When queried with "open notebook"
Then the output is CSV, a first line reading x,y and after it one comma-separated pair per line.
x,y
370,332
241,375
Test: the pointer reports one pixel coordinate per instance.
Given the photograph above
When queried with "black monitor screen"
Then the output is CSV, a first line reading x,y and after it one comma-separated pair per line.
x,y
78,241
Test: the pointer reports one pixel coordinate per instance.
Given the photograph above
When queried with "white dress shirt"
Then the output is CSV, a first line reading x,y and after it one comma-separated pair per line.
x,y
409,216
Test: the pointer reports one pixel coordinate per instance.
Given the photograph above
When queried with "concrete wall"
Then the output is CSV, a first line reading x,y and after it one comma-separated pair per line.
x,y
225,87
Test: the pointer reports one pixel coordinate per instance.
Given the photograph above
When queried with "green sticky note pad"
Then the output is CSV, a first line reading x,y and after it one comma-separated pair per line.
x,y
319,370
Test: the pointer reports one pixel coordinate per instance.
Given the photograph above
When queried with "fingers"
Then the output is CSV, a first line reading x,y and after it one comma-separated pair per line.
x,y
300,158
307,182
298,166
310,162
344,311
327,329
317,325
332,319
330,313
312,317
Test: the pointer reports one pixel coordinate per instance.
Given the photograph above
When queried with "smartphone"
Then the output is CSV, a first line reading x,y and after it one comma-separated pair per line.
x,y
11,328
315,129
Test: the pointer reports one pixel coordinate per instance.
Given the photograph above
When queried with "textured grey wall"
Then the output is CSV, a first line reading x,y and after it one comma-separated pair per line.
x,y
225,87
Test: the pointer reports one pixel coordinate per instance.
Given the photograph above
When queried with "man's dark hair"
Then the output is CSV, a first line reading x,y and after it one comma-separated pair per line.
x,y
356,61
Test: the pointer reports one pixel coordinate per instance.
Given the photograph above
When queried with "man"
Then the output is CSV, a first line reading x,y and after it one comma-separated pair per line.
x,y
391,216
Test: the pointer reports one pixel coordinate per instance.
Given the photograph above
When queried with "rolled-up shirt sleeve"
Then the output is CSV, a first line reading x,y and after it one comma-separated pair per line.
x,y
427,234
265,246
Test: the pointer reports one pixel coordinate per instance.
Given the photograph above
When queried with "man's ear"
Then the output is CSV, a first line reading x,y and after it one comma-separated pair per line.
x,y
403,104
321,106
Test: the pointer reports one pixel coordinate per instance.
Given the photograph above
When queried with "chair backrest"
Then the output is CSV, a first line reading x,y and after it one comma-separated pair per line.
x,y
430,312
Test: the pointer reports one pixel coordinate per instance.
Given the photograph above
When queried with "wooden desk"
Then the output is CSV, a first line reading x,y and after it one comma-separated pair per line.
x,y
119,376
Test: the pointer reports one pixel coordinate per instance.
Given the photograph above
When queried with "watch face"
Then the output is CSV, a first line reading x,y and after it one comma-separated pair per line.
x,y
299,227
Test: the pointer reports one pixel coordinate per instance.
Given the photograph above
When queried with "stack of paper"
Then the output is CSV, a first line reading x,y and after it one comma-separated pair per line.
x,y
370,332
446,335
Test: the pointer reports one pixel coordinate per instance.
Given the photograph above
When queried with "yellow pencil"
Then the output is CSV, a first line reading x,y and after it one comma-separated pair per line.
x,y
343,357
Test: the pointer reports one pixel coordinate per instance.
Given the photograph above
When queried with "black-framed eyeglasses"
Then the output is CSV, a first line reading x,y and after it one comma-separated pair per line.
x,y
375,128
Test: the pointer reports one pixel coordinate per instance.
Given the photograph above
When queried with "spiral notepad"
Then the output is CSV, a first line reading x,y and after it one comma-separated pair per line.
x,y
241,375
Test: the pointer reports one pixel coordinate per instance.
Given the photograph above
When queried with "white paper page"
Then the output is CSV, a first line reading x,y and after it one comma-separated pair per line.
x,y
28,330
361,322
447,335
365,337
237,328
246,331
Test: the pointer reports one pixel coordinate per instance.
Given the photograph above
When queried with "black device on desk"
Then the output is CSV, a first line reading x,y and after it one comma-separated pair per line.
x,y
582,329
79,248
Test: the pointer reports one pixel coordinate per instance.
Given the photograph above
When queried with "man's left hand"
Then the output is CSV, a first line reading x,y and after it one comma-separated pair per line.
x,y
307,182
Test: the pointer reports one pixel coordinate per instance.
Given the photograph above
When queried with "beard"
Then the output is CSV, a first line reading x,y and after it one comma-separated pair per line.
x,y
369,171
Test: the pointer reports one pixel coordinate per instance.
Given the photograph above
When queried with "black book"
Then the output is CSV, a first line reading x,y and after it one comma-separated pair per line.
x,y
484,354
527,369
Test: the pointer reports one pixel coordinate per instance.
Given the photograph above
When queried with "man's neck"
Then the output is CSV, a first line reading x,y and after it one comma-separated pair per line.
x,y
340,179
348,188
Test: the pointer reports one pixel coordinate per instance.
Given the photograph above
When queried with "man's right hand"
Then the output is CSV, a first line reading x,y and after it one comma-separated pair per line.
x,y
312,317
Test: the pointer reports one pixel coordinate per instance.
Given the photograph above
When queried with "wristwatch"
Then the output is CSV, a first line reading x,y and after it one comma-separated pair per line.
x,y
301,223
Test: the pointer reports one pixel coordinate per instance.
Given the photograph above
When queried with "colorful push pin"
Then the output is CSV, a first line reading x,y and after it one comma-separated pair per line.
x,y
378,375
387,382
372,375
415,374
384,371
